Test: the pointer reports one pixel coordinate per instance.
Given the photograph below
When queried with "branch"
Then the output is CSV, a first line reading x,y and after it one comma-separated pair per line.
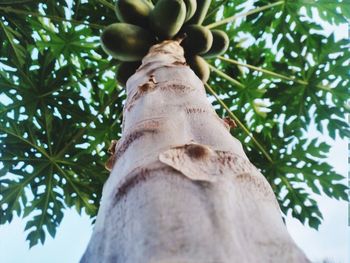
x,y
302,82
225,76
54,18
233,116
233,18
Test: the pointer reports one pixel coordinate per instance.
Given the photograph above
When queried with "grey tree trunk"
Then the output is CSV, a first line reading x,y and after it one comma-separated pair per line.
x,y
182,189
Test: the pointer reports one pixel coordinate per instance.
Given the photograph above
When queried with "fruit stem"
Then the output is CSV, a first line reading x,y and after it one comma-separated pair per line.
x,y
180,37
253,11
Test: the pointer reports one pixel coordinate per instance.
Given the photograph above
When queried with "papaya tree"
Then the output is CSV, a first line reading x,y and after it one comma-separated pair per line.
x,y
172,96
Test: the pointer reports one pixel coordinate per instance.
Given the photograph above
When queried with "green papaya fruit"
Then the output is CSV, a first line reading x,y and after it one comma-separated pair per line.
x,y
198,39
126,42
200,67
191,7
220,44
125,71
133,11
201,12
167,18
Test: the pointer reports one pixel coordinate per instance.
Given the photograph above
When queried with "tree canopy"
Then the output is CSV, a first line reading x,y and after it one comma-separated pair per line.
x,y
60,105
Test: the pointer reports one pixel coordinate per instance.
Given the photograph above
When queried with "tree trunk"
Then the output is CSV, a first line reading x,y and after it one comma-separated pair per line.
x,y
182,189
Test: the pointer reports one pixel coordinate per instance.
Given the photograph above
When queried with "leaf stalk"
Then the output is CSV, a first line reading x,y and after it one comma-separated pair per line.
x,y
240,124
225,76
302,82
235,17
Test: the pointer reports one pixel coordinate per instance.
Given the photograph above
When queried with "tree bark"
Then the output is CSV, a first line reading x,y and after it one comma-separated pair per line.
x,y
182,189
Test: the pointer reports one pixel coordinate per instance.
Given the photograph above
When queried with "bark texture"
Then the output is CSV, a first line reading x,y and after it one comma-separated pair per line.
x,y
182,189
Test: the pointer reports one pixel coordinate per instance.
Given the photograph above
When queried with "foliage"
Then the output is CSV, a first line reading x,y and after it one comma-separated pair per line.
x,y
60,106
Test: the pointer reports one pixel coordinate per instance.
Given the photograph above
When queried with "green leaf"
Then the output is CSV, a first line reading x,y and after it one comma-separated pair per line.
x,y
18,50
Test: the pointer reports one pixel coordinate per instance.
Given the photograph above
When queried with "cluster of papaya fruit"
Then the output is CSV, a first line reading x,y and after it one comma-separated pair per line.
x,y
142,23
